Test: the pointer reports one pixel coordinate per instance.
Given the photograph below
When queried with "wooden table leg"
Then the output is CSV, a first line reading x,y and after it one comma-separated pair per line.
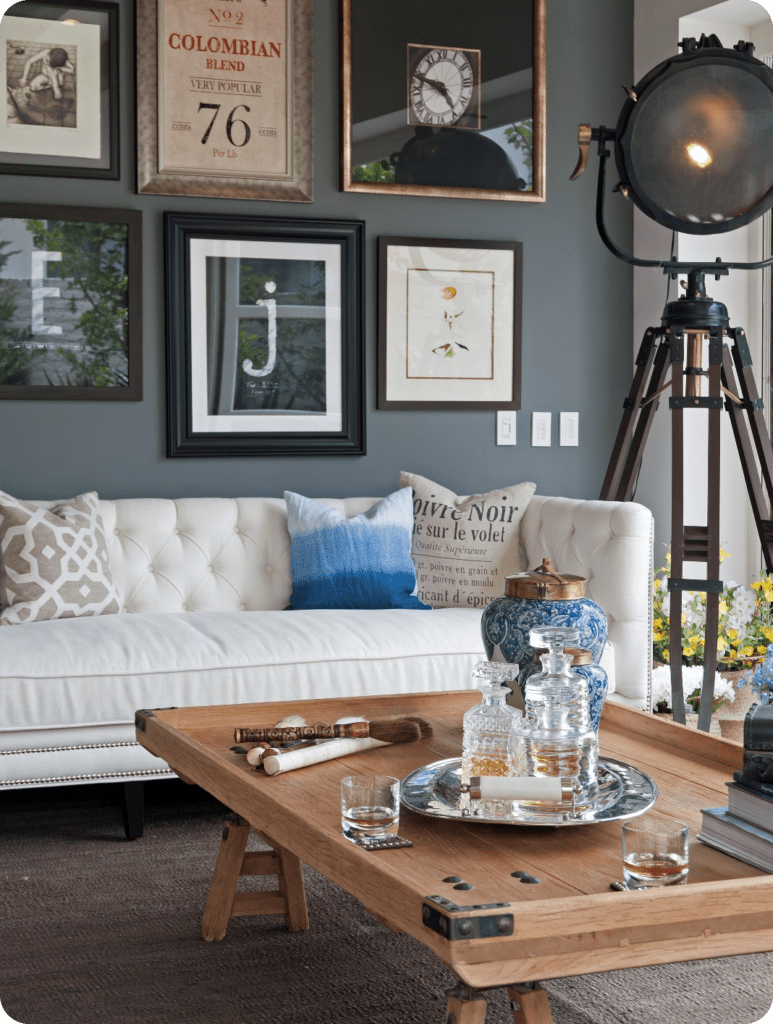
x,y
233,863
466,1006
529,1004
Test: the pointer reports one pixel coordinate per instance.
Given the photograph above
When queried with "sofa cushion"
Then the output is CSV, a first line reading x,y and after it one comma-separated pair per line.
x,y
54,563
463,547
360,562
81,672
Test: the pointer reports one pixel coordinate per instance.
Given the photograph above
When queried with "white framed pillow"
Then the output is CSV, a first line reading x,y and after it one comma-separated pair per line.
x,y
54,563
464,546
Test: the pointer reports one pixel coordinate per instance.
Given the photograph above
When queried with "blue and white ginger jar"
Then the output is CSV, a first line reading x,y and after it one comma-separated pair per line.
x,y
533,600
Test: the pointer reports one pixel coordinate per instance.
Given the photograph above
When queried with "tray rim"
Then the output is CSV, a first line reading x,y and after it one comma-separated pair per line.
x,y
448,763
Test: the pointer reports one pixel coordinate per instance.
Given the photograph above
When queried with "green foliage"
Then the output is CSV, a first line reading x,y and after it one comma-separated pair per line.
x,y
379,170
14,357
94,263
521,135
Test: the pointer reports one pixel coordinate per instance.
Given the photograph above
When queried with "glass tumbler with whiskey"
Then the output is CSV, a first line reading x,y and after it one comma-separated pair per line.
x,y
655,852
491,733
558,737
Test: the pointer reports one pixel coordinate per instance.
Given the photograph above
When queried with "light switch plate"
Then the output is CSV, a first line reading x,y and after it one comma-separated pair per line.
x,y
540,429
505,426
569,429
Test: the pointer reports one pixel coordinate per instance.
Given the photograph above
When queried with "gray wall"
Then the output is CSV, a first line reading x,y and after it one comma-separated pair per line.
x,y
577,309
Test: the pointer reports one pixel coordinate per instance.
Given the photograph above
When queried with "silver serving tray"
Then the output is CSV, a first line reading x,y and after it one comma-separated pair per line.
x,y
624,792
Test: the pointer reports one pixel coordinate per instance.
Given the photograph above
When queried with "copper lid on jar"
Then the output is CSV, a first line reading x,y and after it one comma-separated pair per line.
x,y
544,584
580,655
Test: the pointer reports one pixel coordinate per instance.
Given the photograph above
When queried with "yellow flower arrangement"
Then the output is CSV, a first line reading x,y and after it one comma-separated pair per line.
x,y
745,621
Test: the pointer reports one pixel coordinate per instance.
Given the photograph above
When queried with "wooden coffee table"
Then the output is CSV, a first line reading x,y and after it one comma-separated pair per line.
x,y
496,931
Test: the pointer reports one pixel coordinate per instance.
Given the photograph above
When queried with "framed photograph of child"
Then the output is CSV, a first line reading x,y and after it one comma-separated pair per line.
x,y
59,65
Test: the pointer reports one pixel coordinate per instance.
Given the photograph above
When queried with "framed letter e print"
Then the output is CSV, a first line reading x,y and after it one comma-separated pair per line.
x,y
264,336
449,324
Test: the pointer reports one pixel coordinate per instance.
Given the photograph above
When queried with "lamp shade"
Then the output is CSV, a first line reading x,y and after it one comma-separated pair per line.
x,y
695,148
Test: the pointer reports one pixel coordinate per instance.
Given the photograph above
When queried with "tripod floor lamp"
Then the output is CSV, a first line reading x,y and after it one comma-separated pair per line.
x,y
694,151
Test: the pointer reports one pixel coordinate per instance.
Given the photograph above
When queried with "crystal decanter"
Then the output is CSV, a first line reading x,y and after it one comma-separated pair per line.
x,y
558,737
491,732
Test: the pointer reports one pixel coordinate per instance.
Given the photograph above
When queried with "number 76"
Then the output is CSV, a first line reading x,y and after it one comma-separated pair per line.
x,y
228,125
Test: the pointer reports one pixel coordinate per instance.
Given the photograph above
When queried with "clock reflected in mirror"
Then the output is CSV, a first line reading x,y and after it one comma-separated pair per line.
x,y
443,86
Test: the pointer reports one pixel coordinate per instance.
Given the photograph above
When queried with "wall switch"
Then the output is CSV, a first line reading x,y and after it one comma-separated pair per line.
x,y
540,429
569,429
505,426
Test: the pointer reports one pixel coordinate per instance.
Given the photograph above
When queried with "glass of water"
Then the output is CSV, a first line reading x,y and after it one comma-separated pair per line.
x,y
370,806
655,851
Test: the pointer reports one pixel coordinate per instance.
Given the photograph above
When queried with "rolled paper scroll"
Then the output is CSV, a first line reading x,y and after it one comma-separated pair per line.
x,y
325,751
550,789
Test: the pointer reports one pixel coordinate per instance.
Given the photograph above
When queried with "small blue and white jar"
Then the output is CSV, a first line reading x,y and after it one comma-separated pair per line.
x,y
582,664
536,599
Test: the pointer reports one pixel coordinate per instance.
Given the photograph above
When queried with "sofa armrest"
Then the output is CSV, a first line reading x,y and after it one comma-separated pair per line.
x,y
609,543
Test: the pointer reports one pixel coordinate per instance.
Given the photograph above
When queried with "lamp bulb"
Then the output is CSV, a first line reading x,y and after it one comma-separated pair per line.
x,y
698,154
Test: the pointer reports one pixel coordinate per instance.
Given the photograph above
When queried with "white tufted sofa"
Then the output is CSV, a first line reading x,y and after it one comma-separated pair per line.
x,y
204,582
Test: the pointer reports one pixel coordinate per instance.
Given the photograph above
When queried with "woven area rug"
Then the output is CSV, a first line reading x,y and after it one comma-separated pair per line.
x,y
96,929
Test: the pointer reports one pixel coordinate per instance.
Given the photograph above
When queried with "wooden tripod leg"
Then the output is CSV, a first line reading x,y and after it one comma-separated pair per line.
x,y
529,1005
466,1006
228,868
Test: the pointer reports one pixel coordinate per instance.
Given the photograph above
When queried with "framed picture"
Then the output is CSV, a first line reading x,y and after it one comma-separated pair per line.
x,y
59,64
449,324
264,336
70,303
444,99
225,99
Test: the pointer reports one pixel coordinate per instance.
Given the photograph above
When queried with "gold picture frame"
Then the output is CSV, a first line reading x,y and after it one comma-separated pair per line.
x,y
487,142
213,81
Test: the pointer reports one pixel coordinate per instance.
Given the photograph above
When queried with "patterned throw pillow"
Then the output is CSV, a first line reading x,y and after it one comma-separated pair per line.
x,y
54,563
361,562
464,547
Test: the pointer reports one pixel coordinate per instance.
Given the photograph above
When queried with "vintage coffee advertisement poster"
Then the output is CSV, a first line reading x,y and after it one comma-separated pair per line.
x,y
224,101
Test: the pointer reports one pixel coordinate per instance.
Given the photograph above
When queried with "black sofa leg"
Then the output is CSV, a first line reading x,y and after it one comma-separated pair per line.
x,y
133,807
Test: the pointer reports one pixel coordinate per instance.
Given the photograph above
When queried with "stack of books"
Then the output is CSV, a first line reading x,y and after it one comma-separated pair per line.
x,y
743,829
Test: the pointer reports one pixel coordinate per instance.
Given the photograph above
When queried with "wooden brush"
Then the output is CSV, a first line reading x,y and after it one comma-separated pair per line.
x,y
388,730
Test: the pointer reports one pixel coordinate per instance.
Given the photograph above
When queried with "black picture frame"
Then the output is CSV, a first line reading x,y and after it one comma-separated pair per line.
x,y
485,340
205,343
104,15
117,307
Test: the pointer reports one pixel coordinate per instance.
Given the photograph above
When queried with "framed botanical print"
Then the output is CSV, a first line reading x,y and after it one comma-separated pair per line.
x,y
449,324
225,98
264,336
70,303
444,100
59,63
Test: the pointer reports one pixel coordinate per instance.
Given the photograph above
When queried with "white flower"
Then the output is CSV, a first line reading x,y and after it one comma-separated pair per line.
x,y
661,685
724,688
692,679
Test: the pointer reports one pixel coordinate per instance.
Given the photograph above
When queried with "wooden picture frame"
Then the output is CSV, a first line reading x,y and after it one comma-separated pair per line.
x,y
444,100
225,99
59,62
71,302
264,336
449,324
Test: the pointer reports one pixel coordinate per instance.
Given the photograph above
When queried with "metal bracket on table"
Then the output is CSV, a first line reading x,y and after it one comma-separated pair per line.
x,y
143,713
434,914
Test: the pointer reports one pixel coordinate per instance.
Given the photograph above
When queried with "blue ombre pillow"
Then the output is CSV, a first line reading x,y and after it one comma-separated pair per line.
x,y
362,562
